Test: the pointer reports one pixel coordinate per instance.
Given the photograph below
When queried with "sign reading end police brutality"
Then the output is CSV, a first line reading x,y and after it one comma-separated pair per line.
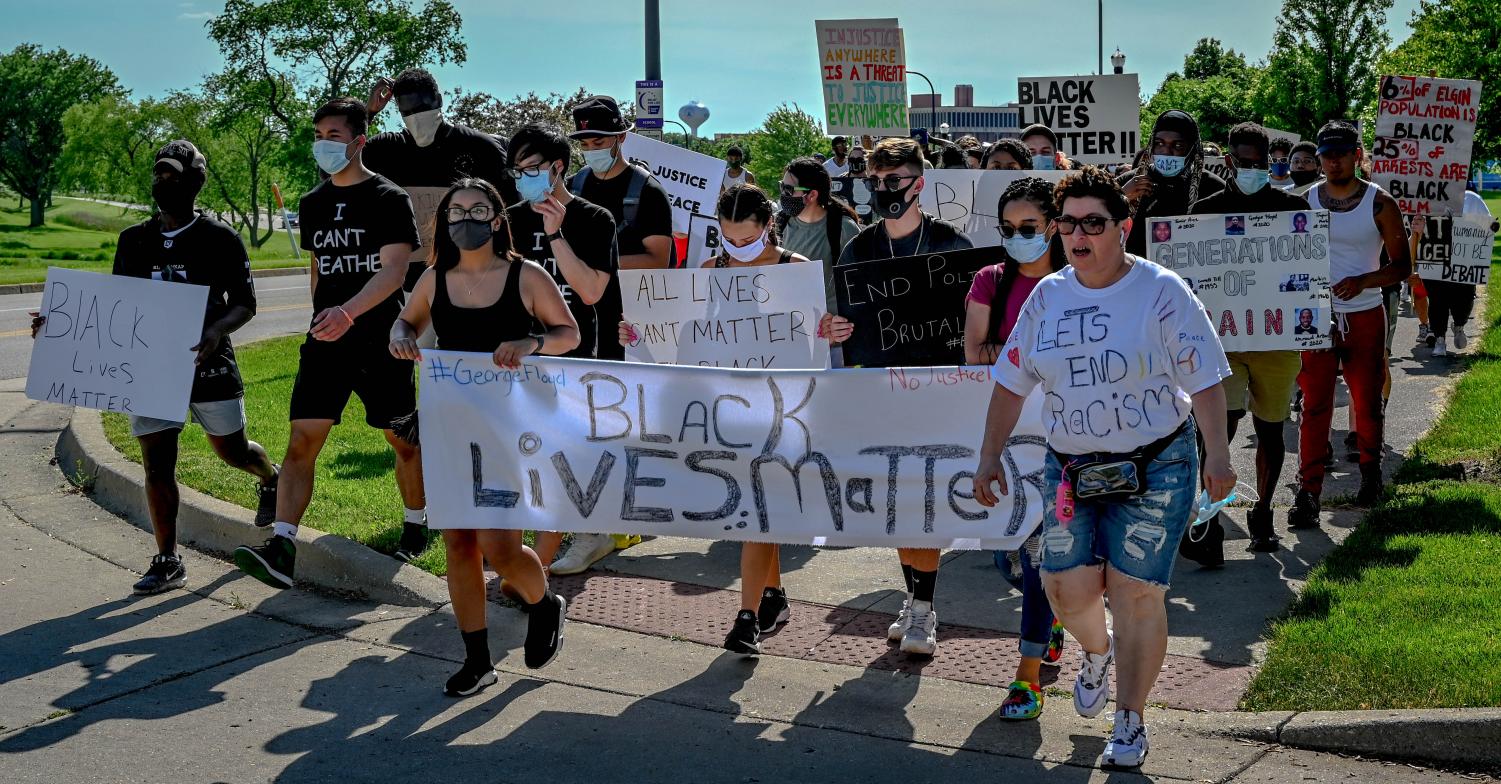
x,y
1097,118
1424,130
859,458
116,344
1263,277
690,178
864,68
908,311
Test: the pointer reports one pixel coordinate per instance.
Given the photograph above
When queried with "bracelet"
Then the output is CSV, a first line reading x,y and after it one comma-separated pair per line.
x,y
346,314
540,343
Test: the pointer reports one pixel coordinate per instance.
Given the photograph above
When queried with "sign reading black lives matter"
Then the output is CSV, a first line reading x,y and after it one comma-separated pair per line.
x,y
1456,249
1263,277
908,311
1097,118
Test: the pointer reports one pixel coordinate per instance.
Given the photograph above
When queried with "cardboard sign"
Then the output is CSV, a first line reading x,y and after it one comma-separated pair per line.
x,y
117,344
424,208
856,193
968,198
908,311
1424,130
744,317
1097,118
703,239
855,458
1263,277
863,63
691,179
1456,249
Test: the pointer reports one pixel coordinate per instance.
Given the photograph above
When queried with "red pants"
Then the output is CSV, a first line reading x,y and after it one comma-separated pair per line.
x,y
1360,349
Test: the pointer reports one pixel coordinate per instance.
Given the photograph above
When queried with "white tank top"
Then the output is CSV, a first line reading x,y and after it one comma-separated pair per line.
x,y
1354,247
730,181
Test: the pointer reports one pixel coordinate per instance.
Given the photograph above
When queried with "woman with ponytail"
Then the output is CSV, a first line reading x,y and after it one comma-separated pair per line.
x,y
812,222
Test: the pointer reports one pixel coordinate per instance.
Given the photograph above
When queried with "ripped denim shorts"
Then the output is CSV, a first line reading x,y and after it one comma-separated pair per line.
x,y
1138,536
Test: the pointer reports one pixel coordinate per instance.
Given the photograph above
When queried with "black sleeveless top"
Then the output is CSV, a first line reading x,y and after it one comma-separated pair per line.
x,y
721,262
481,329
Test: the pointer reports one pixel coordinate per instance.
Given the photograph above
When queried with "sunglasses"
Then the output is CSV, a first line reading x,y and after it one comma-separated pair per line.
x,y
793,190
893,182
1093,225
1025,232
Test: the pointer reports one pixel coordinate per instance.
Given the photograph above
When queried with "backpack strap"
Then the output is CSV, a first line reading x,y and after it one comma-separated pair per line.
x,y
576,185
833,225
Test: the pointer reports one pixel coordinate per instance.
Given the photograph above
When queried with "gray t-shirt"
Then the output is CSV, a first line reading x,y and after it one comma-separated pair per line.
x,y
812,240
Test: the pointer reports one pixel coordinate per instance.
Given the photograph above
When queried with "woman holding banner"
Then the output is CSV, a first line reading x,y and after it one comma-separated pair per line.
x,y
995,300
1122,458
481,296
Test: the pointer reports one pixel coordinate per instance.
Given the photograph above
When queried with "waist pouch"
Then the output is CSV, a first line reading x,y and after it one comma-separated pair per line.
x,y
1108,476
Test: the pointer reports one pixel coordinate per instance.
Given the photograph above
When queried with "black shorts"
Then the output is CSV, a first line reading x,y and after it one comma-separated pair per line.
x,y
328,372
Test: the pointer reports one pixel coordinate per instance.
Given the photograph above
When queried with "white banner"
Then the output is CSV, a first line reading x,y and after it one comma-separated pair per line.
x,y
117,344
1097,118
1274,134
703,239
1263,277
863,64
1456,249
849,458
1424,130
745,317
691,179
967,198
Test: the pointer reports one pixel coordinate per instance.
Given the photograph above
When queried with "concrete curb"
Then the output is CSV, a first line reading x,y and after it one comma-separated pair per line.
x,y
1467,738
36,288
324,560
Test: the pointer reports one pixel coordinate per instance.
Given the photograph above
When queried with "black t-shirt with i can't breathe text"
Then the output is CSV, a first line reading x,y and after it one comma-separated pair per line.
x,y
344,228
590,232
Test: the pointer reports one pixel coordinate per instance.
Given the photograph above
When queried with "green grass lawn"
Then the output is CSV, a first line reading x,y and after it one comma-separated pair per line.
x,y
81,235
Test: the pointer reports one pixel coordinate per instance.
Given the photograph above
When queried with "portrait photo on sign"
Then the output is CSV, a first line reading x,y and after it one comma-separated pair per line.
x,y
1162,231
1300,223
1295,282
1235,225
1308,322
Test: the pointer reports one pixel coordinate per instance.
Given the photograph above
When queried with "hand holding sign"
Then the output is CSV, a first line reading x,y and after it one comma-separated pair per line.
x,y
990,473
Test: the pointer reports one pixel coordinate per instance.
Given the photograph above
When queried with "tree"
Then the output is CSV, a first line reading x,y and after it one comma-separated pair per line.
x,y
1217,103
787,133
483,111
1210,58
1322,63
36,89
111,146
1457,39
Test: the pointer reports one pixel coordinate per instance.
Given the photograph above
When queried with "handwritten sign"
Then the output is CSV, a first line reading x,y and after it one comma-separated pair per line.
x,y
1424,130
1263,277
424,207
864,67
703,239
1456,249
691,179
117,344
744,317
851,458
968,198
908,311
1097,118
856,193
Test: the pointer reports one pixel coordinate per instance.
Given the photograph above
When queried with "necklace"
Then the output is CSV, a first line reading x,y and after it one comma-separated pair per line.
x,y
1349,202
891,247
469,291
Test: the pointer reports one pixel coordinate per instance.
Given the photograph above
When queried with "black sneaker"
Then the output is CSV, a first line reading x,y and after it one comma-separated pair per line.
x,y
1352,446
1305,511
471,679
1263,537
745,635
166,573
271,563
413,542
1371,488
544,631
265,507
774,610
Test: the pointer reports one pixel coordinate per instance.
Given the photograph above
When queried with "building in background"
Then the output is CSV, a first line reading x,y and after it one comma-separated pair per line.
x,y
986,123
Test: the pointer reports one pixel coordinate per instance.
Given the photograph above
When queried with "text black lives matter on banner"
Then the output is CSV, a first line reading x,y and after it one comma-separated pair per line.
x,y
1456,249
1424,130
908,311
1097,118
841,458
968,198
116,343
690,178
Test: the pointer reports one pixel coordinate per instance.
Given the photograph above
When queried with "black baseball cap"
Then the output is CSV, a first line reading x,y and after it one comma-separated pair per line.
x,y
181,155
598,115
1038,128
1337,137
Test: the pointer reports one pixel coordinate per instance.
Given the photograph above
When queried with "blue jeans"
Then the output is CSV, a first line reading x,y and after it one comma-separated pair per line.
x,y
1037,614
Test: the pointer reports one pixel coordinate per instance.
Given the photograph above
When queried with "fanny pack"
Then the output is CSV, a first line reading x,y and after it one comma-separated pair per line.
x,y
1107,476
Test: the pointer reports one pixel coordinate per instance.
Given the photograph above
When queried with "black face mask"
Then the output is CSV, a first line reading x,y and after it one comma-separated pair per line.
x,y
174,197
470,234
893,204
792,206
1305,177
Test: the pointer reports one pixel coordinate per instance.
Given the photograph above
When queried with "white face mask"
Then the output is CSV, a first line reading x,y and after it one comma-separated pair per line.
x,y
331,155
1169,165
748,252
600,161
424,125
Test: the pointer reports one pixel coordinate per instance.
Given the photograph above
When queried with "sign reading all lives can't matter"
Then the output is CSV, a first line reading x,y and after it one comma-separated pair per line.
x,y
863,63
1424,130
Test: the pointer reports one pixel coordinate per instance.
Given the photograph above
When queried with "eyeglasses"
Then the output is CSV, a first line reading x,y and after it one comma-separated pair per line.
x,y
530,171
1093,224
1283,159
893,182
1026,232
793,190
479,212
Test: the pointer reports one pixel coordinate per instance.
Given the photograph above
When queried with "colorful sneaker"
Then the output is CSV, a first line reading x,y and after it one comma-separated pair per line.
x,y
1128,741
272,563
773,611
623,541
898,628
1092,685
1023,702
1055,644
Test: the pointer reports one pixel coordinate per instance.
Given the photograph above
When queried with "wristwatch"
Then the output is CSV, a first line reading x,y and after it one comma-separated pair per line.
x,y
557,235
541,338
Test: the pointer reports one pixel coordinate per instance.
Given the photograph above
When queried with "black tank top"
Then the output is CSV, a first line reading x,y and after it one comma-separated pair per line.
x,y
723,262
481,329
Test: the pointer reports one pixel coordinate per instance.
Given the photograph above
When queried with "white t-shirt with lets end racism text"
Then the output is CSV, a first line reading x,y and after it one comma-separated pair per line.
x,y
1118,365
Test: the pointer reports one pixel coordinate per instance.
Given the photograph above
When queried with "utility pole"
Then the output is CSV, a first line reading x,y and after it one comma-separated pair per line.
x,y
653,39
1100,17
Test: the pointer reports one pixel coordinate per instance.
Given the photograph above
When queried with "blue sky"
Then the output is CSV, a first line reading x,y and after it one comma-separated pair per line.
x,y
741,64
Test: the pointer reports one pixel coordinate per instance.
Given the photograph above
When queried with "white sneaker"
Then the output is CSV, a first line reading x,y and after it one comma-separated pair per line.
x,y
1439,349
583,552
1460,338
1128,741
1092,684
898,628
921,638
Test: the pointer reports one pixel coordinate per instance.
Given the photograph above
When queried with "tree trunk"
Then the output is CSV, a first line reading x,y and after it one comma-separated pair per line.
x,y
38,211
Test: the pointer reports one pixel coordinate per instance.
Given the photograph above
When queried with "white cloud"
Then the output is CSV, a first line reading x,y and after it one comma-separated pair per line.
x,y
196,16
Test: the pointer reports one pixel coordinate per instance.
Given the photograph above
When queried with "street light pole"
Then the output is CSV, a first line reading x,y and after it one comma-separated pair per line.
x,y
653,39
932,107
1101,19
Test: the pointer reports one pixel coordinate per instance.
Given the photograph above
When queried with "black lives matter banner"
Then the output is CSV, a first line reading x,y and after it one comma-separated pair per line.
x,y
1097,118
908,311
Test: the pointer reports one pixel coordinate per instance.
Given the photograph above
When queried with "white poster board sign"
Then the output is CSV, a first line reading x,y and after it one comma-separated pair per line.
x,y
1456,249
857,458
117,344
1097,118
863,65
967,198
742,317
691,179
1424,130
1263,277
703,239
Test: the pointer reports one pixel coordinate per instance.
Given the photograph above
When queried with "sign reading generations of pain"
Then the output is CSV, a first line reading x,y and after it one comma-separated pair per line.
x,y
117,343
690,178
863,63
968,198
840,458
1456,249
1424,130
908,311
1097,118
744,317
1263,277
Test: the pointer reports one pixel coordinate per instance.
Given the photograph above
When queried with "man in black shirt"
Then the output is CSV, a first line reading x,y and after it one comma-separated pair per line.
x,y
180,245
643,215
359,228
1174,176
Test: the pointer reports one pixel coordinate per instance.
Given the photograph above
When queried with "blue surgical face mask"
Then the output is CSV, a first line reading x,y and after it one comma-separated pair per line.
x,y
1044,162
1169,165
600,160
534,188
1025,249
330,155
1280,170
1250,181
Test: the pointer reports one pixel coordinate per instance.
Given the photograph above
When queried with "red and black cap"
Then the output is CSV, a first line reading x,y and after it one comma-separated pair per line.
x,y
598,115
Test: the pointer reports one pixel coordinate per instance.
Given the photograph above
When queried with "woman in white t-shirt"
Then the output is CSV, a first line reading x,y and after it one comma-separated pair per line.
x,y
1124,353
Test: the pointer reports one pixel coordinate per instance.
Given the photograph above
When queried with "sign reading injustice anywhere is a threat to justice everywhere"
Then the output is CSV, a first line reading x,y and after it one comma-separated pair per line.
x,y
1263,277
1424,130
116,343
691,179
836,457
863,63
1097,118
908,311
